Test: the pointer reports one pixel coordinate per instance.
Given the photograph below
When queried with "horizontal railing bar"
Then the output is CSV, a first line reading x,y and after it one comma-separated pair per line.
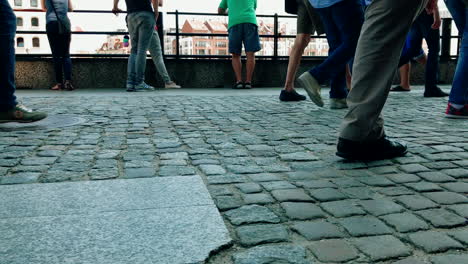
x,y
215,14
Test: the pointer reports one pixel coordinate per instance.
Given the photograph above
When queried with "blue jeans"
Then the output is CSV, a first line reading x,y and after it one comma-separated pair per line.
x,y
7,56
141,28
420,29
342,22
459,92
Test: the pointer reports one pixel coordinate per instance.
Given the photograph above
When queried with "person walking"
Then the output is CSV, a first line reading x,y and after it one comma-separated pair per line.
x,y
10,110
308,23
58,30
242,28
425,26
343,20
362,135
458,100
141,20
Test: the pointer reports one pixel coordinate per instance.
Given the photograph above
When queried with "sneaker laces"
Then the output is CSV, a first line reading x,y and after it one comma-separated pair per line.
x,y
23,108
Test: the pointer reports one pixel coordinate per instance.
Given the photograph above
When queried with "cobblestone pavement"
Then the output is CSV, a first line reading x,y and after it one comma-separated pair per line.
x,y
271,169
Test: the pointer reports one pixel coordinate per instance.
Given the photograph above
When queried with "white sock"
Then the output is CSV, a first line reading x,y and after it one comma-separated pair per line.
x,y
457,106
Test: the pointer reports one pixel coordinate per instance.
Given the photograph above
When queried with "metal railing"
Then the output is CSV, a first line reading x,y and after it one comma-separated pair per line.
x,y
446,37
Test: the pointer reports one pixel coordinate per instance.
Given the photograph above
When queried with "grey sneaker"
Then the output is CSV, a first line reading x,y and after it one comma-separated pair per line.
x,y
143,87
338,103
171,85
312,87
130,87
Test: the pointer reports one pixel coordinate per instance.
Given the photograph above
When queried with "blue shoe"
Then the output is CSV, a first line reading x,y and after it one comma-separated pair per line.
x,y
143,87
130,87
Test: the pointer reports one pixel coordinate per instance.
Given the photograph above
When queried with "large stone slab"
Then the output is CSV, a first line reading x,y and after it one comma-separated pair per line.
x,y
101,196
151,220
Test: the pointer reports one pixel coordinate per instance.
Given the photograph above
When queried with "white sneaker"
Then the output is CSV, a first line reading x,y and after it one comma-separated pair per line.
x,y
143,87
312,87
171,85
338,103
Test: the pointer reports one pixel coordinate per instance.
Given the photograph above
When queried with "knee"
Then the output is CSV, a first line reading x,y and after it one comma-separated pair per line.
x,y
236,55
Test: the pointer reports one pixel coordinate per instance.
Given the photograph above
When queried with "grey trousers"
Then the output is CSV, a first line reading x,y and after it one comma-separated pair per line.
x,y
386,25
156,54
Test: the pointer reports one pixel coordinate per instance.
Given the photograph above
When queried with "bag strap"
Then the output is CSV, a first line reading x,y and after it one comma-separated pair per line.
x,y
55,11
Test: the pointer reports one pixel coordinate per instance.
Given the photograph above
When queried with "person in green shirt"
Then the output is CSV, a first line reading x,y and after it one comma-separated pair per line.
x,y
242,28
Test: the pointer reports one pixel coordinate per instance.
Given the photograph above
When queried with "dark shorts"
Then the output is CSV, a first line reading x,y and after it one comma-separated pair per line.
x,y
246,33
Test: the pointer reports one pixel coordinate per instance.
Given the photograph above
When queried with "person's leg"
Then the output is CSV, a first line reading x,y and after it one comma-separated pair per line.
x,y
145,33
458,99
405,76
300,43
7,57
133,25
10,110
347,17
363,122
235,48
250,66
237,66
67,64
56,48
252,45
155,51
432,37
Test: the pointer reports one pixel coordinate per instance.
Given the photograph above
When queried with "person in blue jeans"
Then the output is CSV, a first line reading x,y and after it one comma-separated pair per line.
x,y
342,20
10,110
425,26
458,100
141,20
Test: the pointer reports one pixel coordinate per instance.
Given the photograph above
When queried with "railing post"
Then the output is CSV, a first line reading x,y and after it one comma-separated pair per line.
x,y
446,39
275,37
177,33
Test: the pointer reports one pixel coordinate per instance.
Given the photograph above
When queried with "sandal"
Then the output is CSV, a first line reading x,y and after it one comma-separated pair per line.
x,y
399,88
57,87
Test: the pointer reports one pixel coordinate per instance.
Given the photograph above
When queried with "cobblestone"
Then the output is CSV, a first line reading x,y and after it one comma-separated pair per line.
x,y
318,230
432,242
278,157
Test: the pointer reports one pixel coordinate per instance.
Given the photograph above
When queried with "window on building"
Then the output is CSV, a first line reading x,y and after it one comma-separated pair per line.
x,y
201,52
18,2
221,44
34,22
20,42
19,21
34,3
36,42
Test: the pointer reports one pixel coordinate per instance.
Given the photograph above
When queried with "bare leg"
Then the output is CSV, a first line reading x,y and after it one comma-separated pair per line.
x,y
301,42
250,66
237,66
405,76
348,77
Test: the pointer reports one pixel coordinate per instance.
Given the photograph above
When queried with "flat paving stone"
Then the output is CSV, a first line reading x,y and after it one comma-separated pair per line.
x,y
450,259
333,250
432,242
364,226
381,207
55,223
442,218
342,208
382,247
257,234
272,254
405,222
318,230
250,214
302,211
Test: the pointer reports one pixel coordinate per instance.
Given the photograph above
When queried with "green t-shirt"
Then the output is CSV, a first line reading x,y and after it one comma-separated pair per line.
x,y
240,11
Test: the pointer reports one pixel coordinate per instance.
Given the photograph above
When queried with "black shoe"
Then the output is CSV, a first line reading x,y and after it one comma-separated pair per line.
x,y
238,85
292,96
434,92
370,150
247,85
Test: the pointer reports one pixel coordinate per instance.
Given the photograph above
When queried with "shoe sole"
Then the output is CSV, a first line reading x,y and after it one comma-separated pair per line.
x,y
312,87
352,157
21,121
455,116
